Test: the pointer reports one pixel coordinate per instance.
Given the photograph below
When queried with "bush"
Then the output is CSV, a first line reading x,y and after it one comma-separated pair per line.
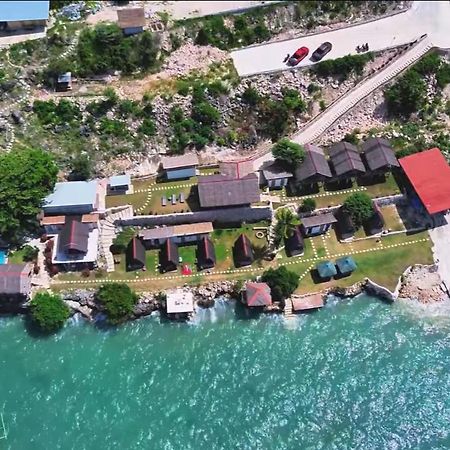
x,y
275,118
48,311
118,300
82,168
343,67
359,206
293,101
30,253
205,113
251,96
122,240
289,153
148,127
308,205
282,282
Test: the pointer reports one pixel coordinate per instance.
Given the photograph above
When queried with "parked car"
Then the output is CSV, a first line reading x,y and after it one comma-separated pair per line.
x,y
321,51
298,56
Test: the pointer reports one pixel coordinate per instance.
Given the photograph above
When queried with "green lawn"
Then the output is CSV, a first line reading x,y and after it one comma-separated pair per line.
x,y
16,257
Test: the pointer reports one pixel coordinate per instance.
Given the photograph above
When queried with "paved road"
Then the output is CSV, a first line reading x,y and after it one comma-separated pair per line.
x,y
432,18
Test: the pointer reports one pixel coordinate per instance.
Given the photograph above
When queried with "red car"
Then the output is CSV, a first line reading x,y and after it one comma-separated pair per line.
x,y
298,56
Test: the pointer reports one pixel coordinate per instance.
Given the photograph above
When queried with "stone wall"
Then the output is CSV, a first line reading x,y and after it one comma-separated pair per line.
x,y
222,215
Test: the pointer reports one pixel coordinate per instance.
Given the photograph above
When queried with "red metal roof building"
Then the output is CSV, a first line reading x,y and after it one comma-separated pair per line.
x,y
429,174
258,294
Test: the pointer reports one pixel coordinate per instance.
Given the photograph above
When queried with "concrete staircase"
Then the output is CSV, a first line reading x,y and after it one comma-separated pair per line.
x,y
321,123
108,232
288,313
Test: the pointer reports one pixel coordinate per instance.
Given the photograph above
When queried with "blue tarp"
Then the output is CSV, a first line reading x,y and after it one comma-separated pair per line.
x,y
11,11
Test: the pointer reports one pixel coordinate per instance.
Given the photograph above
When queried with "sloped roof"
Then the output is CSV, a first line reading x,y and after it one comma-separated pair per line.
x,y
346,264
135,252
318,219
15,279
326,269
258,294
169,253
315,163
177,162
275,171
379,154
429,174
131,17
294,243
120,180
206,253
221,190
346,158
243,249
177,230
236,169
74,237
11,11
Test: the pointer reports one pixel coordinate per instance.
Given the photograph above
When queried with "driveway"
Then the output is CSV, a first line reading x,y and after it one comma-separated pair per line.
x,y
426,17
441,240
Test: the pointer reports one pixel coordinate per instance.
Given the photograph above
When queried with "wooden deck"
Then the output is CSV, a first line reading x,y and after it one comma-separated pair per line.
x,y
307,302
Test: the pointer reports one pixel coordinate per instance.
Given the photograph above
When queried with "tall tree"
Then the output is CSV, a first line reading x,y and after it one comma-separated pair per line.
x,y
27,177
289,153
359,206
286,223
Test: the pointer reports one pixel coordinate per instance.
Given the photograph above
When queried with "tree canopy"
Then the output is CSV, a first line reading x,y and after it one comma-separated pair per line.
x,y
282,282
308,205
286,223
288,153
48,311
118,300
359,206
28,176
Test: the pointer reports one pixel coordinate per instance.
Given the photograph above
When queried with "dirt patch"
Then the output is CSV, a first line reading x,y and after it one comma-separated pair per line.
x,y
422,283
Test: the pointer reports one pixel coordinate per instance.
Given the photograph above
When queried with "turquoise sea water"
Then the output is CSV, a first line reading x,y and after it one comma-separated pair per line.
x,y
360,374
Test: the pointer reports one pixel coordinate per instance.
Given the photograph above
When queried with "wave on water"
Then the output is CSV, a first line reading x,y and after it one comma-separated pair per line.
x,y
223,309
436,313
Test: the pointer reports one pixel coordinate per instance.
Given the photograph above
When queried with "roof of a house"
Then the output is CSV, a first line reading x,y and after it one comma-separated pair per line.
x,y
236,169
429,174
90,218
326,269
346,264
375,223
295,241
53,220
221,190
344,221
275,171
315,163
15,278
379,154
346,158
206,251
11,11
179,301
65,77
243,248
318,219
169,253
71,193
135,252
120,180
131,17
74,237
306,302
178,162
258,294
177,230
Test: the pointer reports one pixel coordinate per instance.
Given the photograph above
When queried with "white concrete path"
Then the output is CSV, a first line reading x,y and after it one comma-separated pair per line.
x,y
424,17
441,240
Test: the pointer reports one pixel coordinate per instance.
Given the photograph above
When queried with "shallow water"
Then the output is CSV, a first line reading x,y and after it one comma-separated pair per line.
x,y
359,374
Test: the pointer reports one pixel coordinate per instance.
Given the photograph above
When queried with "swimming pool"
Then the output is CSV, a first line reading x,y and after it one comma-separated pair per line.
x,y
2,257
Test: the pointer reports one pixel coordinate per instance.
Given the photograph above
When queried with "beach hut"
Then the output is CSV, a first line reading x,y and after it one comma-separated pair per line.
x,y
135,254
242,251
345,226
206,254
257,294
326,270
168,256
345,265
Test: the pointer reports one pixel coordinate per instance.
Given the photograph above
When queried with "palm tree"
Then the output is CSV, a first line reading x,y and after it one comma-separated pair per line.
x,y
286,223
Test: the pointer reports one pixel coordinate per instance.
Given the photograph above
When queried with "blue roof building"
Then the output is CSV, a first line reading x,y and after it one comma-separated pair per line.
x,y
72,197
326,270
17,11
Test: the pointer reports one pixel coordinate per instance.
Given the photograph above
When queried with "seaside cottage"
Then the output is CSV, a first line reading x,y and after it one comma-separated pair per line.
x,y
135,255
131,20
168,256
345,266
22,16
346,161
243,252
257,295
179,167
344,226
120,184
206,254
379,155
317,224
15,281
294,244
326,270
314,168
179,304
275,176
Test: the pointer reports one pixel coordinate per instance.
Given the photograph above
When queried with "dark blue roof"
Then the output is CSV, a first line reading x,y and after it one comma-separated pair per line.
x,y
346,264
23,10
326,269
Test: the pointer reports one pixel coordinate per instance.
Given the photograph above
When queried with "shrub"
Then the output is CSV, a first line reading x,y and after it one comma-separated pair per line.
x,y
359,206
147,127
282,282
205,113
48,311
274,117
122,240
82,168
293,101
288,153
118,301
30,253
308,205
251,96
344,66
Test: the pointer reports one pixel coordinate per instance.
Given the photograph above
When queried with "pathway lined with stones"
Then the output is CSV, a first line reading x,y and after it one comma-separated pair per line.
x,y
239,271
284,197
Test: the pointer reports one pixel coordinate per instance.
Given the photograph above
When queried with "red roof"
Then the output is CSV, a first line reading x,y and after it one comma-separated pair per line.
x,y
258,294
429,174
